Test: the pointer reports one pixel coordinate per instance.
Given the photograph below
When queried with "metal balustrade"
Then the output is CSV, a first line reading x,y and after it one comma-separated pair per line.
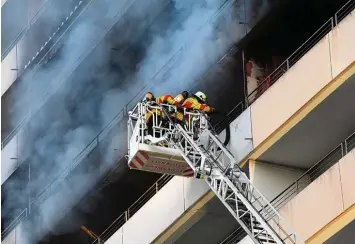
x,y
56,37
344,11
301,183
315,171
125,216
38,13
14,223
292,60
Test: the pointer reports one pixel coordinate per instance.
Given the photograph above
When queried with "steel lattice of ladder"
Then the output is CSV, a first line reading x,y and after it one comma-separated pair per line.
x,y
205,154
211,159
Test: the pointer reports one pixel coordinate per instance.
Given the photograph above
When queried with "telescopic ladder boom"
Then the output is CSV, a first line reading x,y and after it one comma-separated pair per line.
x,y
205,154
210,158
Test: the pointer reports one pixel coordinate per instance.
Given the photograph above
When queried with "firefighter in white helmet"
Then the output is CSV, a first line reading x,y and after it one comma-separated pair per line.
x,y
198,102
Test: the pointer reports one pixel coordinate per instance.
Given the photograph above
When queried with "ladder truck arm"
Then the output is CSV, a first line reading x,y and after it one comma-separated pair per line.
x,y
206,156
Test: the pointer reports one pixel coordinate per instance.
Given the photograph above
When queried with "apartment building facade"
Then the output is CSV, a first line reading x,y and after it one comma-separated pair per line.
x,y
296,141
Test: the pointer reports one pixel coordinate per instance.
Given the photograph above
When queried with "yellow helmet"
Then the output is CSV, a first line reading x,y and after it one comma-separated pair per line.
x,y
201,96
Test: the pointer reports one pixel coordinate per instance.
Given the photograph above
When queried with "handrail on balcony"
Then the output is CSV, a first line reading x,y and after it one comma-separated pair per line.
x,y
126,215
344,11
303,181
292,59
14,223
297,55
23,31
315,171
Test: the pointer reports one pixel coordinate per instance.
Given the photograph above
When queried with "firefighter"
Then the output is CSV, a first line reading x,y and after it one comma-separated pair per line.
x,y
167,99
198,102
176,101
178,116
180,98
149,97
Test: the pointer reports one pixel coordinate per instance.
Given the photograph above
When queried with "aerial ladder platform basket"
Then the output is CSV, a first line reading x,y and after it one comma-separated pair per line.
x,y
189,148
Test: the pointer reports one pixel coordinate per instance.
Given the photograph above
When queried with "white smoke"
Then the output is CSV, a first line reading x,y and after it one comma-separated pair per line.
x,y
174,57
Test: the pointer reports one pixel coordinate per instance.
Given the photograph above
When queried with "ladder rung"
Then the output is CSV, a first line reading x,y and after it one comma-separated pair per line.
x,y
236,196
266,240
258,227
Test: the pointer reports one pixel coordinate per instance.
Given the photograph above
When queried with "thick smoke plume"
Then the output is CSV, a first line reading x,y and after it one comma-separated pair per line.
x,y
163,46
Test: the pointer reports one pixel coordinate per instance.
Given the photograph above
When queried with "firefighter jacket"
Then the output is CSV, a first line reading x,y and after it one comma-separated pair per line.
x,y
153,112
167,99
192,103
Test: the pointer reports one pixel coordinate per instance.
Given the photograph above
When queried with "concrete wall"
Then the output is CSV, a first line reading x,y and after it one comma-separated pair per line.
x,y
12,155
19,15
246,240
240,143
117,238
324,199
342,40
347,170
270,179
161,211
8,76
15,237
304,80
10,239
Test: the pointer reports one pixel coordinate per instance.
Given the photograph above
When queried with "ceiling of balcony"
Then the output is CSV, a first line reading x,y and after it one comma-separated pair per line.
x,y
211,225
322,130
344,236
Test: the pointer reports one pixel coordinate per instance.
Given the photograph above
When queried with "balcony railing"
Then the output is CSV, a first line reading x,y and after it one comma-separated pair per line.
x,y
40,57
290,61
301,183
344,11
14,223
315,171
124,217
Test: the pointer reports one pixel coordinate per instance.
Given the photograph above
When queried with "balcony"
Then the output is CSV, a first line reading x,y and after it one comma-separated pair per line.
x,y
29,34
291,121
328,202
327,182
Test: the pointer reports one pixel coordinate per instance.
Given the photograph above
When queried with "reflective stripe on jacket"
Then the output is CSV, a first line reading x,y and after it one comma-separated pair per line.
x,y
193,103
167,99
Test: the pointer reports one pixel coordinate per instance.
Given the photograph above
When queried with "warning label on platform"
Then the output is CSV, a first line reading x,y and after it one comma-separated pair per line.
x,y
163,166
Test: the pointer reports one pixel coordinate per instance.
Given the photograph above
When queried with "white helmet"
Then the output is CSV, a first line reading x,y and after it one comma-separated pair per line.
x,y
201,96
